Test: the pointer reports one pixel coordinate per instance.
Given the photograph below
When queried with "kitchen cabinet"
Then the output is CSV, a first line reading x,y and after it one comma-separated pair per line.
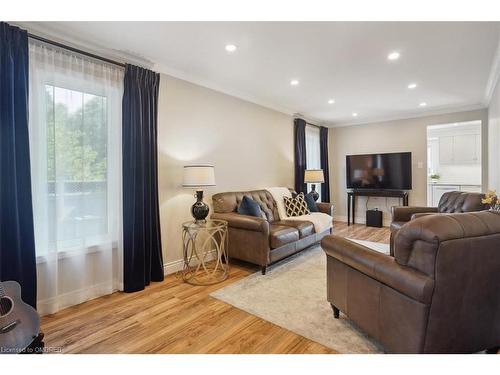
x,y
460,149
436,191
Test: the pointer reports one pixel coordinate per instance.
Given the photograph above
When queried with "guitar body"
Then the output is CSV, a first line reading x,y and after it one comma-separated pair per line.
x,y
19,322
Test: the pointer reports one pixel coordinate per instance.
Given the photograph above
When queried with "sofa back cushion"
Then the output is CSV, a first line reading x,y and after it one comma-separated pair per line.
x,y
459,201
229,202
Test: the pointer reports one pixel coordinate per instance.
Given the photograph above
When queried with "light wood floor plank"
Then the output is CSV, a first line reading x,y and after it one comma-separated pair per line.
x,y
175,317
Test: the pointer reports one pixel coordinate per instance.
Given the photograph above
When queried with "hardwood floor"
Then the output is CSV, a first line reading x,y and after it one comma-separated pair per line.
x,y
175,317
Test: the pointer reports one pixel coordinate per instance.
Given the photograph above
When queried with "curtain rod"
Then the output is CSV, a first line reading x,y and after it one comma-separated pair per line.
x,y
57,44
308,123
295,116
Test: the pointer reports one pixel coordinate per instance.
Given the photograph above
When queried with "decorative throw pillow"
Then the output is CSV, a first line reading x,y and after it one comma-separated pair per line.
x,y
249,207
311,203
296,206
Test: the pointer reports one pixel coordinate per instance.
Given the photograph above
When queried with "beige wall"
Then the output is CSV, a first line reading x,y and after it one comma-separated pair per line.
x,y
494,139
250,146
391,136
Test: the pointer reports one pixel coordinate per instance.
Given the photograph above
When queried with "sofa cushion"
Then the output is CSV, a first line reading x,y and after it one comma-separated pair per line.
x,y
249,207
280,235
311,203
459,201
305,228
296,206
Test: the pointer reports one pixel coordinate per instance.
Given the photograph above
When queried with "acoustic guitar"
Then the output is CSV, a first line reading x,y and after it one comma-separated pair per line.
x,y
19,322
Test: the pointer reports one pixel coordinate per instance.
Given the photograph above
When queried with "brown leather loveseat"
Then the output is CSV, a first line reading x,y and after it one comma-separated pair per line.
x,y
450,202
439,294
259,240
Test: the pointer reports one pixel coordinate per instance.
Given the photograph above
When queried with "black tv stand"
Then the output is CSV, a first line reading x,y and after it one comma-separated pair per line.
x,y
351,199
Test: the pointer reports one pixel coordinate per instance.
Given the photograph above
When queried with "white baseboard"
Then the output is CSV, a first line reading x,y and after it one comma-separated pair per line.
x,y
359,220
177,265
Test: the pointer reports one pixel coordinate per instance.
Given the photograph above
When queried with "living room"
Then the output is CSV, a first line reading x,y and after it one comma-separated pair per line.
x,y
261,187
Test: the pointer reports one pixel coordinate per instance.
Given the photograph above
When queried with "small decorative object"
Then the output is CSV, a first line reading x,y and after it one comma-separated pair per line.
x,y
314,176
296,206
196,176
435,177
491,199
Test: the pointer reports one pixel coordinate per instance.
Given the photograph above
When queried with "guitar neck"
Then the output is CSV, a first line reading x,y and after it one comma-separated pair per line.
x,y
2,290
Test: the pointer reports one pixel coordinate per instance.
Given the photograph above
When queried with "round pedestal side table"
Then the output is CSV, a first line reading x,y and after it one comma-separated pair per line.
x,y
205,252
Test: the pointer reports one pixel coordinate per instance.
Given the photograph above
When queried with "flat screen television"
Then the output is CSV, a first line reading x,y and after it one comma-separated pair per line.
x,y
390,171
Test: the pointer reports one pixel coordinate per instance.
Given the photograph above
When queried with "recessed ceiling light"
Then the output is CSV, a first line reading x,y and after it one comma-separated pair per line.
x,y
354,114
423,104
393,55
412,85
331,101
294,82
230,48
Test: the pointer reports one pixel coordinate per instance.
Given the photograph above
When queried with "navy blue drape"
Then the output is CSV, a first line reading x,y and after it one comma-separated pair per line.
x,y
142,260
323,146
300,154
17,238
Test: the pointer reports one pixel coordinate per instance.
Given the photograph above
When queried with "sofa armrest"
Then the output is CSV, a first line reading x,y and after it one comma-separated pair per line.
x,y
404,213
248,222
381,267
326,208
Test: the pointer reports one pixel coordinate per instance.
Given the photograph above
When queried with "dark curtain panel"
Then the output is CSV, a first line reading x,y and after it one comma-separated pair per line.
x,y
17,238
323,144
300,154
142,260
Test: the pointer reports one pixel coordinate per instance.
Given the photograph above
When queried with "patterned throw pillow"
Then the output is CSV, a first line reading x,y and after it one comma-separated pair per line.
x,y
296,206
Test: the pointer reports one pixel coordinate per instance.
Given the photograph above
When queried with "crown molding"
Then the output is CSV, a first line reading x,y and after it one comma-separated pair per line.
x,y
50,32
47,30
409,116
196,80
493,77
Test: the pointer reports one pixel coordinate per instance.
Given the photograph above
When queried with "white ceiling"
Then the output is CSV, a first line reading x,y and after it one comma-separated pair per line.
x,y
346,61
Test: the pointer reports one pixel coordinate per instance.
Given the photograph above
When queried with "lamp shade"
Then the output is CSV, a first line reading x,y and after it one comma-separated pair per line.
x,y
198,175
314,176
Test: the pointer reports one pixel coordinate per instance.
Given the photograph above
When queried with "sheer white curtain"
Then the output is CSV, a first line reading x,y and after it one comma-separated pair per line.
x,y
313,153
75,146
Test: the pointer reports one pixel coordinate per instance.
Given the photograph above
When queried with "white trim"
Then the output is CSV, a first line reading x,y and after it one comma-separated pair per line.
x,y
62,301
177,265
41,29
493,77
191,78
408,116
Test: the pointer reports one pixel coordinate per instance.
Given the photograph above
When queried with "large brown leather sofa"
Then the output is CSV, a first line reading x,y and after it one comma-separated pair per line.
x,y
263,241
450,202
439,294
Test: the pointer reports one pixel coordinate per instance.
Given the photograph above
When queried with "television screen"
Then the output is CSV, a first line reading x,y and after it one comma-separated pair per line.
x,y
379,171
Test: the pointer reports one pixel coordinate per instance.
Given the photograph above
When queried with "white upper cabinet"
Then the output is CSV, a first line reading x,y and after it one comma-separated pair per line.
x,y
460,149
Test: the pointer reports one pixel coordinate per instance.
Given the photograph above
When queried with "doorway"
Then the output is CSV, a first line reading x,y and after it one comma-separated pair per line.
x,y
453,159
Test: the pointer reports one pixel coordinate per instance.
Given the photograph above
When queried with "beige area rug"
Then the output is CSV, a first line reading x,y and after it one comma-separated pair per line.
x,y
293,295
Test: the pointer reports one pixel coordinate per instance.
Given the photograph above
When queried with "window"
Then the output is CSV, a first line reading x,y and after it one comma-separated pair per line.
x,y
313,153
76,166
76,172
